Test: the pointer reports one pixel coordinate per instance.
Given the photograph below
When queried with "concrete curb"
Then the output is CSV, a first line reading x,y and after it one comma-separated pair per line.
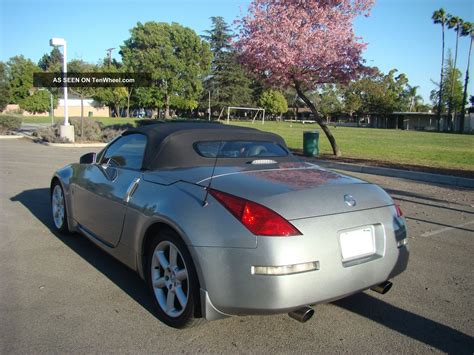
x,y
62,145
11,137
75,145
404,174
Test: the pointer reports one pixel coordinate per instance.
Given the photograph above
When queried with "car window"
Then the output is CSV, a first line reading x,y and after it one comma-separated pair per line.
x,y
239,149
126,152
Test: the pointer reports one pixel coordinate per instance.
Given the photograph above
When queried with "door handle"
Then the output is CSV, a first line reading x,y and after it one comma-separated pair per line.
x,y
131,190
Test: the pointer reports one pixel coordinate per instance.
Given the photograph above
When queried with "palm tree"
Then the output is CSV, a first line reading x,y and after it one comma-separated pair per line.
x,y
467,30
414,98
439,17
454,22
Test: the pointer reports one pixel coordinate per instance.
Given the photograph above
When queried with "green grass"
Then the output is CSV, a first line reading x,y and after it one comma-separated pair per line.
x,y
440,150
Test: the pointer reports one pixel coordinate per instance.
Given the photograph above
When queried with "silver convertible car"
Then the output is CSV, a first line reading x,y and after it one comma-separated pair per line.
x,y
222,220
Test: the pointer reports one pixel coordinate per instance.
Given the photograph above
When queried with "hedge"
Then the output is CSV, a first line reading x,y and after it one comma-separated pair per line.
x,y
9,122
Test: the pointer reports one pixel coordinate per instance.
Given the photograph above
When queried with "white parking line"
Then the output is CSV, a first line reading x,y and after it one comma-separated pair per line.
x,y
446,229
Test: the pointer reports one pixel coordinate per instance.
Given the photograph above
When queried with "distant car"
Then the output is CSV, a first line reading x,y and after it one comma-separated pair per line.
x,y
222,220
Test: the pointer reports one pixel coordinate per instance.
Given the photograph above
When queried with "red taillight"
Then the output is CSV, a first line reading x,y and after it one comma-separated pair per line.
x,y
399,210
258,219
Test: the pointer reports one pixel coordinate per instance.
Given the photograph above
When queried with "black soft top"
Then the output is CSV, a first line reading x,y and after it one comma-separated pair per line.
x,y
171,144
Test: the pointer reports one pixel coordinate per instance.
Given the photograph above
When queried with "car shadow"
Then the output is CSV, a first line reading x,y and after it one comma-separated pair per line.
x,y
37,202
417,327
432,333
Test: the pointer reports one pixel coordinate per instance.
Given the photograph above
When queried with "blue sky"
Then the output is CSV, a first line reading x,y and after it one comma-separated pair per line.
x,y
400,33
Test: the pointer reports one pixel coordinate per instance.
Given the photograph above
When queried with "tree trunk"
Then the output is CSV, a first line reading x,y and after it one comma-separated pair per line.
x,y
451,112
335,148
167,107
441,80
128,101
464,95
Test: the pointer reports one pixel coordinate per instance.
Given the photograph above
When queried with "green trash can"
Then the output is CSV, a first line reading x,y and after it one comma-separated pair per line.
x,y
90,114
311,143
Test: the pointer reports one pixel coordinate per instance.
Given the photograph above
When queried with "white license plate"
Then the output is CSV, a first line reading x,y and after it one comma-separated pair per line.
x,y
357,243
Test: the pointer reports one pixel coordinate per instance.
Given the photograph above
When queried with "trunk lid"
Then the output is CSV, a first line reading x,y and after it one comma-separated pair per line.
x,y
293,190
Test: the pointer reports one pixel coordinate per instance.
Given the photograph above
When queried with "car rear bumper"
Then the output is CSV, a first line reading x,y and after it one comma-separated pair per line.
x,y
232,289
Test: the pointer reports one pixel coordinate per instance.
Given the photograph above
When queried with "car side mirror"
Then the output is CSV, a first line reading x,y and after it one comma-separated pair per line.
x,y
89,158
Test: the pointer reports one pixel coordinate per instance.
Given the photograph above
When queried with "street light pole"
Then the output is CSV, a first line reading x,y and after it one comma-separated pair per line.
x,y
66,110
66,130
51,108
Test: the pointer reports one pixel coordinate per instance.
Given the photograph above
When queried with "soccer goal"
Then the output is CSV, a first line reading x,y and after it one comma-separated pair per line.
x,y
258,111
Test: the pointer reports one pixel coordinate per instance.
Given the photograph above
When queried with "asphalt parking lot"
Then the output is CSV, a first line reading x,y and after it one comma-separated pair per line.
x,y
62,294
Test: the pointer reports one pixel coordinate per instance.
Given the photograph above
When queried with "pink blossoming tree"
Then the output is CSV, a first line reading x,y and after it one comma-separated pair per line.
x,y
303,43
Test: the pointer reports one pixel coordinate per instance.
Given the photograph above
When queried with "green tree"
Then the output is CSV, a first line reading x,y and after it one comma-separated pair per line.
x,y
51,62
294,101
113,97
414,99
328,101
273,102
78,66
439,18
422,107
21,72
219,38
176,58
378,93
228,83
149,97
416,103
468,30
37,102
456,23
352,102
452,84
4,86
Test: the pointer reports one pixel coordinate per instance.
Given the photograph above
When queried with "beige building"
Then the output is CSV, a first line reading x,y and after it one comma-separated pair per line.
x,y
74,108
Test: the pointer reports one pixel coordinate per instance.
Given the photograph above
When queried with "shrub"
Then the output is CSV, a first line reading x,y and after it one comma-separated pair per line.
x,y
9,122
93,131
110,132
15,111
49,134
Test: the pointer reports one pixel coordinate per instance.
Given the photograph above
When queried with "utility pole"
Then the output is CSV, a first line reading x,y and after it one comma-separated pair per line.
x,y
109,54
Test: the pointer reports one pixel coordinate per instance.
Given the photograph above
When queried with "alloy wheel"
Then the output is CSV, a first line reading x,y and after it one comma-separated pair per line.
x,y
170,279
58,209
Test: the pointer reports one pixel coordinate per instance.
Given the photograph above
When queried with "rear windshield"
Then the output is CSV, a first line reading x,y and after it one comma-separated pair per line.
x,y
239,149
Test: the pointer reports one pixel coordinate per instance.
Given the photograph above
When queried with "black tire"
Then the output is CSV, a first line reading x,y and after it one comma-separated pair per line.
x,y
190,314
62,227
